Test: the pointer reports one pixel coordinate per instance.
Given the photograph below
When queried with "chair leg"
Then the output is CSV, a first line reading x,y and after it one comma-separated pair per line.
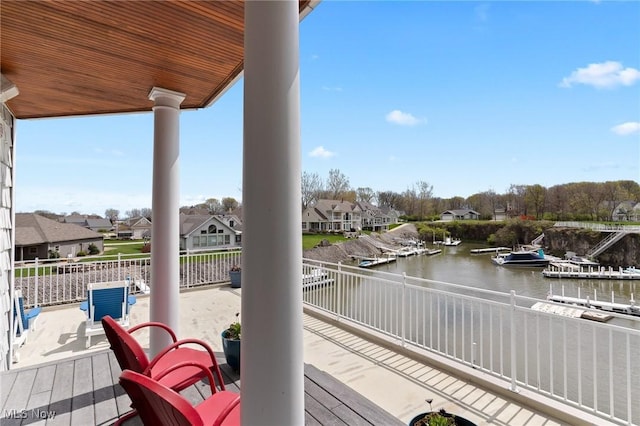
x,y
126,418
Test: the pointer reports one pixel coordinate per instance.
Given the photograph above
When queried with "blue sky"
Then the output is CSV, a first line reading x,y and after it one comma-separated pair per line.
x,y
468,96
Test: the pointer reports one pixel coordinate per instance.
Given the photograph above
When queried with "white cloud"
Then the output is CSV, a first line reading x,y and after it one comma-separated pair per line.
x,y
482,12
607,74
628,128
403,118
320,152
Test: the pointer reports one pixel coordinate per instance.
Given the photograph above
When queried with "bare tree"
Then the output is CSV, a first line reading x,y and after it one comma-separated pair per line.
x,y
214,206
112,214
146,212
311,188
337,184
133,213
425,193
388,199
366,195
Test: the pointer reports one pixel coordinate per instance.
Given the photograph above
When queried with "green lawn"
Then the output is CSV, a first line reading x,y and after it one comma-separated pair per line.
x,y
309,241
131,247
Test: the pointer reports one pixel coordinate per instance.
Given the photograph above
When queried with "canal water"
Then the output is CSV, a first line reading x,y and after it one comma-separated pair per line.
x,y
458,266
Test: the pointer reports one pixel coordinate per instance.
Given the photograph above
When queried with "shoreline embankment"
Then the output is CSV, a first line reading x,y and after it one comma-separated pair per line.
x,y
347,251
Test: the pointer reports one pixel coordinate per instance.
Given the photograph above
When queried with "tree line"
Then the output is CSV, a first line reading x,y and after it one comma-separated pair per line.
x,y
570,201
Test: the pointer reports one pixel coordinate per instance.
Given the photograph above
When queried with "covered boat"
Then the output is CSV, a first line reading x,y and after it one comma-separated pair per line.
x,y
531,258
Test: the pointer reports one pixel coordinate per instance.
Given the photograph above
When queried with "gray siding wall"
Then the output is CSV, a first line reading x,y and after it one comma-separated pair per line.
x,y
6,231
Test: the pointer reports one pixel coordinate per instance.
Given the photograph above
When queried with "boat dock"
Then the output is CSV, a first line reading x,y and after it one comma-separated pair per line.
x,y
621,308
316,278
489,250
571,312
570,270
368,262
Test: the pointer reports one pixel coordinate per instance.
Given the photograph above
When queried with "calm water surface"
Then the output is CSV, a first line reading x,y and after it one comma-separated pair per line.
x,y
456,265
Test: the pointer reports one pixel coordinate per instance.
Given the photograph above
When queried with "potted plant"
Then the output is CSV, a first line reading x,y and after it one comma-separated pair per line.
x,y
234,276
231,344
439,418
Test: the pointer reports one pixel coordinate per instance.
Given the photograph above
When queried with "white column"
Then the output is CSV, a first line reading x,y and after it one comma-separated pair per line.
x,y
272,364
165,261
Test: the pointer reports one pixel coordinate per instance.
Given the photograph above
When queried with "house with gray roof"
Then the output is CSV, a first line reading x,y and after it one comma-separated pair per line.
x,y
333,216
459,214
199,232
38,237
94,223
374,218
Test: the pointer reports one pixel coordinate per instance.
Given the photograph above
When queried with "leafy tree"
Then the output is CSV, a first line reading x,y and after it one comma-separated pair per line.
x,y
229,204
146,212
535,197
93,249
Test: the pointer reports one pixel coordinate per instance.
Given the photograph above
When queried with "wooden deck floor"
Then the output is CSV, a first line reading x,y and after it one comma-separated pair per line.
x,y
85,391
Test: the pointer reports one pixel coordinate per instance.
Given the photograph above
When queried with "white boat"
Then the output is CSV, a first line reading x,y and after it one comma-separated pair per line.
x,y
530,258
448,241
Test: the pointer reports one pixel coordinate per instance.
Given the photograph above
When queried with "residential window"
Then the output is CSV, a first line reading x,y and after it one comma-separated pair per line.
x,y
196,241
203,231
227,239
212,229
238,238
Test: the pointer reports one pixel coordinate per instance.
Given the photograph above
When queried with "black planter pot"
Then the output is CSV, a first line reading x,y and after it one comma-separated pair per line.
x,y
231,349
459,421
235,278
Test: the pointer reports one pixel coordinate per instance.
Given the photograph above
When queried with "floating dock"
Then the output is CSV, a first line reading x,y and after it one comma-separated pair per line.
x,y
571,312
489,250
373,261
569,270
316,278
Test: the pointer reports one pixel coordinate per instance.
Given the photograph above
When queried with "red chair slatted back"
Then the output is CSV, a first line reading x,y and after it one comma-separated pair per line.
x,y
126,348
161,405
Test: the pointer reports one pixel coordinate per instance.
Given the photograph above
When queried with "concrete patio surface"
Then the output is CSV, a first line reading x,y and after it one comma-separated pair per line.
x,y
397,383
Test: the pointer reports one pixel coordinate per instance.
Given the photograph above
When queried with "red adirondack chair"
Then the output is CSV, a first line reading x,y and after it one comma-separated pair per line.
x,y
159,405
131,356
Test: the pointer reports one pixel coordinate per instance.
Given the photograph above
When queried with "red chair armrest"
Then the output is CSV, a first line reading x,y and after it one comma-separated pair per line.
x,y
224,413
187,364
155,324
181,342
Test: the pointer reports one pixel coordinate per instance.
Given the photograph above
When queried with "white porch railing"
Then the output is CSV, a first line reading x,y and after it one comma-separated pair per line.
x,y
52,282
586,364
589,365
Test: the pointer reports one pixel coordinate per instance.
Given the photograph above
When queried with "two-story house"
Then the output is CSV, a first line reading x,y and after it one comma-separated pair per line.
x,y
332,215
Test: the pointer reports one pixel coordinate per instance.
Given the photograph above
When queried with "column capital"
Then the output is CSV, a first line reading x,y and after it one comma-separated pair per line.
x,y
166,97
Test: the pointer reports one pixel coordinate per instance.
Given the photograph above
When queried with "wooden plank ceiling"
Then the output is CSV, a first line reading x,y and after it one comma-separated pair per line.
x,y
70,58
